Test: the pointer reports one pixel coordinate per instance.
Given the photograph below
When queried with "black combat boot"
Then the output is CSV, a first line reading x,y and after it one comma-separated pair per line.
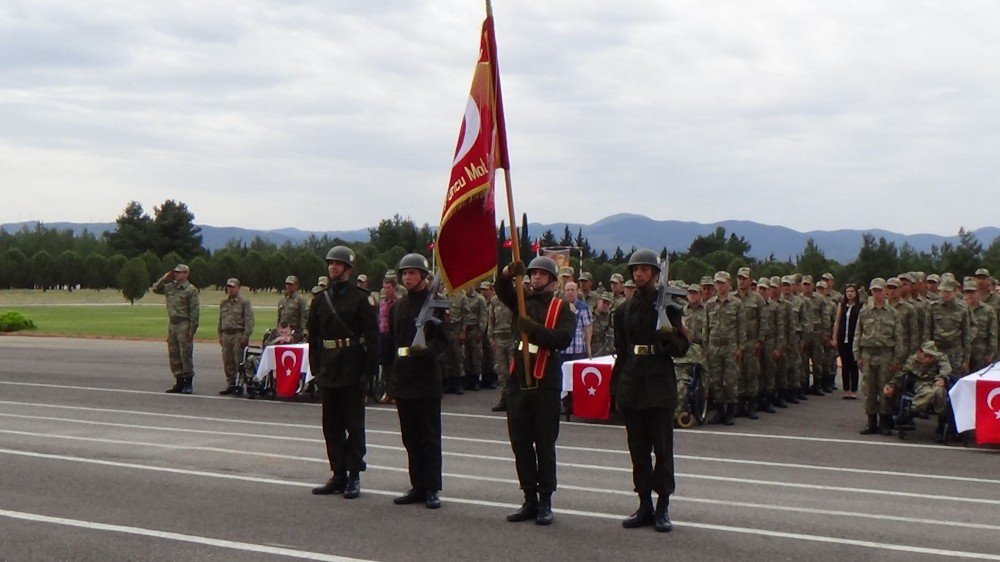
x,y
884,426
643,516
188,387
231,389
543,516
474,382
662,522
728,414
529,509
413,495
178,385
501,406
353,488
829,384
751,409
432,500
814,390
939,431
764,403
790,396
777,399
335,485
490,381
872,426
720,414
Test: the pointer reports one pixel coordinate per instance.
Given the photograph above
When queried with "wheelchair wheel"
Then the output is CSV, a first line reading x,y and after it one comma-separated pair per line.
x,y
686,420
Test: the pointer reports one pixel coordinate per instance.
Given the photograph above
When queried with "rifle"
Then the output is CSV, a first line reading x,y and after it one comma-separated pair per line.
x,y
426,314
664,298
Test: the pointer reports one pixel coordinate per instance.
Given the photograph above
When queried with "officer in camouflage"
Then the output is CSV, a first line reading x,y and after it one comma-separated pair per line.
x,y
292,308
183,313
878,345
235,329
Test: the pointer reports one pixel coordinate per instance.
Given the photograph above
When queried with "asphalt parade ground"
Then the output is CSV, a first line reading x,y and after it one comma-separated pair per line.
x,y
97,463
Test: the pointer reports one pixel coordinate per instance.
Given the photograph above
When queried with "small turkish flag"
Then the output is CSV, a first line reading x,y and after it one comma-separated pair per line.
x,y
591,390
287,371
987,411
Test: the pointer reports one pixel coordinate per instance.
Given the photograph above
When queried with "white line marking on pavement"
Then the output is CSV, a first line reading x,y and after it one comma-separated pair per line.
x,y
504,443
782,484
305,555
486,503
877,443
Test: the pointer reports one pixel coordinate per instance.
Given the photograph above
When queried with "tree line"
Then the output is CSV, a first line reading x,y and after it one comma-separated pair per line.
x,y
141,248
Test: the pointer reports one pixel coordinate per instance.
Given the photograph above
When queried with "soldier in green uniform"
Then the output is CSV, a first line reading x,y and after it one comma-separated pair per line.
x,y
949,325
587,292
906,313
602,340
646,389
454,372
801,317
932,283
813,334
987,296
534,401
772,333
984,339
721,335
343,356
183,312
931,370
292,308
826,336
235,329
878,345
474,327
694,323
618,290
499,330
783,314
752,345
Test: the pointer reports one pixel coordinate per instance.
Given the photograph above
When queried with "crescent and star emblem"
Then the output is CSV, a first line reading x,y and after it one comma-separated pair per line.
x,y
592,390
989,401
287,367
471,126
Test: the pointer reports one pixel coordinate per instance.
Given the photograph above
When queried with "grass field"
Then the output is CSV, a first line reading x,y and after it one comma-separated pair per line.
x,y
106,314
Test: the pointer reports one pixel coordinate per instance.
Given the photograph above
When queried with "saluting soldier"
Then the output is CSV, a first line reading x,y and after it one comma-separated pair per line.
x,y
533,391
415,376
721,335
948,324
235,329
646,389
183,313
878,345
984,339
292,308
343,356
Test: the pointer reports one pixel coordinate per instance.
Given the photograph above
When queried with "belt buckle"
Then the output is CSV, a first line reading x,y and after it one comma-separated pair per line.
x,y
532,348
641,350
402,352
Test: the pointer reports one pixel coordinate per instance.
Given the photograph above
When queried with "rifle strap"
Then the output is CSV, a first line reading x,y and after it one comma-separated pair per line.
x,y
336,317
551,317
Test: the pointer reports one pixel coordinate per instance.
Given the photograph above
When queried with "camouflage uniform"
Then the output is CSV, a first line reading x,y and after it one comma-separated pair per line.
x,y
907,315
948,324
984,339
773,332
722,331
474,326
694,322
813,355
783,383
751,344
925,391
183,312
603,336
235,328
293,309
499,326
455,354
796,364
878,343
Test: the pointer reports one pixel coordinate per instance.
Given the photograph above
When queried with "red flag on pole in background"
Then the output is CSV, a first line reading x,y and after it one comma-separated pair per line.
x,y
591,390
467,237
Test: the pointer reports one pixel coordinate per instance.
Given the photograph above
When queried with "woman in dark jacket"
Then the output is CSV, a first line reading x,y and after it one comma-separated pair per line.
x,y
843,340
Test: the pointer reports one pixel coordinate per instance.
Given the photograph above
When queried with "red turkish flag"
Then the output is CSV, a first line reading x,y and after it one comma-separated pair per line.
x,y
987,411
467,237
287,371
591,390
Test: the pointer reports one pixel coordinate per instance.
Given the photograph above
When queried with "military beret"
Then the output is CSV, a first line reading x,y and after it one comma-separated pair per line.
x,y
877,283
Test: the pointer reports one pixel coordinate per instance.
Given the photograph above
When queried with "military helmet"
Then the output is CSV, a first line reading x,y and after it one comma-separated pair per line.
x,y
644,256
414,261
546,264
342,254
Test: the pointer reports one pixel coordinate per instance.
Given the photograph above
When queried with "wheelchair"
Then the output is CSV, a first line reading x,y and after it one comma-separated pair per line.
x,y
694,403
904,420
247,370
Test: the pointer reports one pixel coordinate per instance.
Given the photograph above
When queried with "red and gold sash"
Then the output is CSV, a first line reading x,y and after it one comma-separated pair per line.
x,y
555,305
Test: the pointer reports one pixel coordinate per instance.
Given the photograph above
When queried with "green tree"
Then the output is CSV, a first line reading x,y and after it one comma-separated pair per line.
x,y
875,259
991,257
15,269
812,261
963,258
201,272
133,234
42,269
171,259
69,269
154,267
133,280
175,230
115,264
96,266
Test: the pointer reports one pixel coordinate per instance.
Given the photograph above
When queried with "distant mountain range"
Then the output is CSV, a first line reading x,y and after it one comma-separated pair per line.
x,y
622,230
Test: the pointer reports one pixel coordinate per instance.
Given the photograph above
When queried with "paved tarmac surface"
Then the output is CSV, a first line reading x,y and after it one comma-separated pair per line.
x,y
97,463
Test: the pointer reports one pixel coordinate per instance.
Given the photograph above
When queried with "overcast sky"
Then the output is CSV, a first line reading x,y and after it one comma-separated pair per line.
x,y
331,115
